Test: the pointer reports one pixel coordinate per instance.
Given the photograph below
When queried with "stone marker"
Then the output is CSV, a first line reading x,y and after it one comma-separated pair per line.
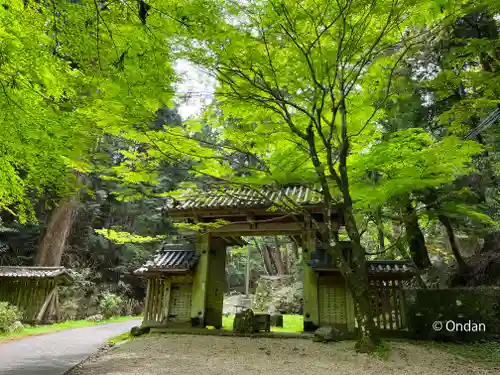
x,y
139,331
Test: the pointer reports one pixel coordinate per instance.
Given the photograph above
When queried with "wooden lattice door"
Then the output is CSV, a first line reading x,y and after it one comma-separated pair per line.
x,y
180,302
332,302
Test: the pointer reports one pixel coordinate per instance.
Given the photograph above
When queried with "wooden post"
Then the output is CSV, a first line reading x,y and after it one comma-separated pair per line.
x,y
402,304
395,304
48,300
57,312
199,294
147,303
166,300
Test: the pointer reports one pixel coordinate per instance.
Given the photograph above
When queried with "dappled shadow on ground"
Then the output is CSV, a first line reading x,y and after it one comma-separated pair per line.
x,y
188,354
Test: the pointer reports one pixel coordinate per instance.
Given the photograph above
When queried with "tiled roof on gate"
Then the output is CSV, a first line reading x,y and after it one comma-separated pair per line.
x,y
173,257
242,198
34,272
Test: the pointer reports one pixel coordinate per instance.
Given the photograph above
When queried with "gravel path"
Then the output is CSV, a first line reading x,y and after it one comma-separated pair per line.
x,y
55,353
211,355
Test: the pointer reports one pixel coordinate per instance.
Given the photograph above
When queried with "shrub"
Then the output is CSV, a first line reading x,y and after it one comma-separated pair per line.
x,y
111,305
8,316
132,307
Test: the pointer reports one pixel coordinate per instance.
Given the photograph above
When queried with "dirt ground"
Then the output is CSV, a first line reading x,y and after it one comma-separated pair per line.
x,y
210,355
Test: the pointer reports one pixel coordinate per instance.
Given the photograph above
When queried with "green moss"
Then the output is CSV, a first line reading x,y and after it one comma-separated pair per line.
x,y
382,350
120,338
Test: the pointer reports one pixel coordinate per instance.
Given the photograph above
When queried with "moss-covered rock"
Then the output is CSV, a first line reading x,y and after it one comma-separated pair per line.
x,y
327,334
244,322
139,331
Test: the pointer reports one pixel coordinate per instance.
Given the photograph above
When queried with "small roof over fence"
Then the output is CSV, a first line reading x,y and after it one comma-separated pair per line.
x,y
22,272
171,258
383,269
221,198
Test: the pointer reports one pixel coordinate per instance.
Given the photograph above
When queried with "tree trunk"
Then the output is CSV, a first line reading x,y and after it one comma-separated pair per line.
x,y
247,273
286,260
56,234
279,258
356,276
266,258
455,247
415,237
276,259
380,230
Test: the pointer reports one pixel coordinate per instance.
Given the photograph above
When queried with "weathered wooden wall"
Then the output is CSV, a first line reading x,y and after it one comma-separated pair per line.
x,y
30,295
336,307
153,312
388,304
332,302
168,301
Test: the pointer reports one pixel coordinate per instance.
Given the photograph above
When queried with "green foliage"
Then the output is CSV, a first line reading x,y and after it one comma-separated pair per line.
x,y
201,227
125,237
8,315
111,305
410,161
383,350
69,74
278,297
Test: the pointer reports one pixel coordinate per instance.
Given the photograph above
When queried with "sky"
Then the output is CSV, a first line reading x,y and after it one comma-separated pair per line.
x,y
195,89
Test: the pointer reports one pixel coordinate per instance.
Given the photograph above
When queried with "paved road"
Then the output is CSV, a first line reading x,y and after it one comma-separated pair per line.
x,y
55,353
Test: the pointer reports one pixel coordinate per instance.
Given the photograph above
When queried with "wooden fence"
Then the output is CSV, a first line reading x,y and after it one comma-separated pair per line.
x,y
388,304
37,299
154,312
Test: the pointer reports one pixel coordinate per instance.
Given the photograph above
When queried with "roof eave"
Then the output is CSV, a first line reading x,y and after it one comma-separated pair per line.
x,y
185,212
156,271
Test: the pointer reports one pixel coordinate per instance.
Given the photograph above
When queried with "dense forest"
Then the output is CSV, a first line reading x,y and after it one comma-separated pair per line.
x,y
387,108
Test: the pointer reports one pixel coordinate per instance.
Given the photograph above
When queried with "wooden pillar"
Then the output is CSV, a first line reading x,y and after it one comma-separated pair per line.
x,y
216,283
402,303
199,293
147,304
311,313
166,300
